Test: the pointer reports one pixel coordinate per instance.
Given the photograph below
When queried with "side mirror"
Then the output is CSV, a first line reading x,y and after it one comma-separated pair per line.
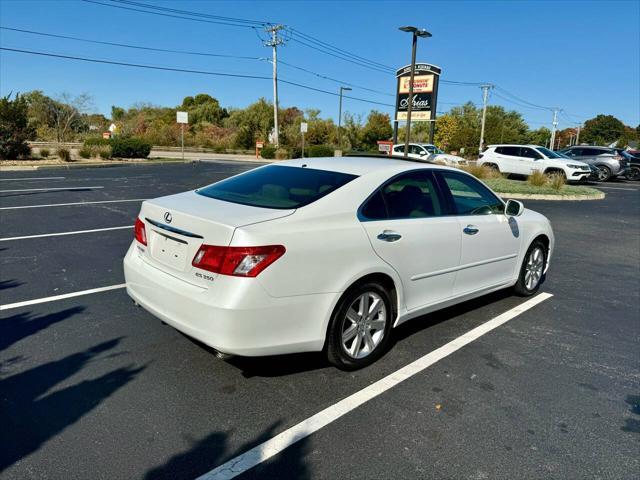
x,y
422,154
513,208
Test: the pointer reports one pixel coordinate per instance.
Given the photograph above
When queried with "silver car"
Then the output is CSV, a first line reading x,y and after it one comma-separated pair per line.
x,y
606,160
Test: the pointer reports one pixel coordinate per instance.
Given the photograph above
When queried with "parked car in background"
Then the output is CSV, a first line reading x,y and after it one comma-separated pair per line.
x,y
609,163
329,254
526,159
634,163
430,153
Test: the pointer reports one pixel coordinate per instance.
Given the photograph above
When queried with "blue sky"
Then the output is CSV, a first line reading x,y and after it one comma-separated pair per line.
x,y
581,56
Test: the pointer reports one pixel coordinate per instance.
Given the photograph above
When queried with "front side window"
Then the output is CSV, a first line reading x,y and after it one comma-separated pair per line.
x,y
277,186
412,195
469,196
529,153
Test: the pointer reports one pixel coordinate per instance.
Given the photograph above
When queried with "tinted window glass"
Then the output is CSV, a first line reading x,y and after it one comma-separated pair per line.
x,y
529,153
470,197
375,208
549,153
511,151
277,187
412,196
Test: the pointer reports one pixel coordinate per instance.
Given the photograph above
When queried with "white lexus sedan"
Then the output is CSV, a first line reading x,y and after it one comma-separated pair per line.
x,y
328,254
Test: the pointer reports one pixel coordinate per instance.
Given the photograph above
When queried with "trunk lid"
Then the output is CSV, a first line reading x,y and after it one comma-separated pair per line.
x,y
177,225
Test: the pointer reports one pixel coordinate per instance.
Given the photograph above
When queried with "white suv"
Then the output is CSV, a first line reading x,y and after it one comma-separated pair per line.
x,y
428,152
526,159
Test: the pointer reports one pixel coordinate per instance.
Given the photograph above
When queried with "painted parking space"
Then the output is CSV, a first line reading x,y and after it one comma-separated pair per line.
x,y
95,370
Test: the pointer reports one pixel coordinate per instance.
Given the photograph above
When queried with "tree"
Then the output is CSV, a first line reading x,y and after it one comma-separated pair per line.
x,y
602,130
14,128
378,127
540,136
65,114
204,108
445,130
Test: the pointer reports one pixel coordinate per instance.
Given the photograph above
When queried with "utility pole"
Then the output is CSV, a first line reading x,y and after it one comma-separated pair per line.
x,y
553,130
273,43
578,135
342,89
485,97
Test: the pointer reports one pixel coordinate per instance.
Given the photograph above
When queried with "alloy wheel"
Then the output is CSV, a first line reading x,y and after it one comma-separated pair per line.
x,y
363,325
534,268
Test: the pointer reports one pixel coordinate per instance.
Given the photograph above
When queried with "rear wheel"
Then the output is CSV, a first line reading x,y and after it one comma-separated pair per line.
x,y
604,173
360,327
532,270
634,173
492,166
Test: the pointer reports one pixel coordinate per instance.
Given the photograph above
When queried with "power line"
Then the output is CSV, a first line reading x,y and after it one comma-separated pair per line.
x,y
125,45
184,70
189,52
187,12
533,105
201,20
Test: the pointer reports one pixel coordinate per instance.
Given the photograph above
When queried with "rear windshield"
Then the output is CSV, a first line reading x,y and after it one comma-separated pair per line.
x,y
277,187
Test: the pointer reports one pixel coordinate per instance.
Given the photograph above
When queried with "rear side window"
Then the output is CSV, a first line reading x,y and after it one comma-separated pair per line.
x,y
277,186
511,151
412,195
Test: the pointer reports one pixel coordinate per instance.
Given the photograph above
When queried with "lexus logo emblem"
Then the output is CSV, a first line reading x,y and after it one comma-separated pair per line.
x,y
167,217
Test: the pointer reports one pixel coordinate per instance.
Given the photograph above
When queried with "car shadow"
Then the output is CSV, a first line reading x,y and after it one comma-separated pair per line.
x,y
284,365
34,407
6,284
632,425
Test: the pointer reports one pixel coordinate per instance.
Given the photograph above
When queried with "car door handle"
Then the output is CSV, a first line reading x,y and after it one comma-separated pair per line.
x,y
471,230
389,236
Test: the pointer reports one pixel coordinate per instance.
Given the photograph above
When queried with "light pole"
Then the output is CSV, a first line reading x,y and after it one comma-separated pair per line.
x,y
342,89
415,33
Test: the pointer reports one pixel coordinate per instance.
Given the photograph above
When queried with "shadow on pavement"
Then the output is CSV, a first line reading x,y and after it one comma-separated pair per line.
x,y
29,416
22,325
632,425
5,284
213,450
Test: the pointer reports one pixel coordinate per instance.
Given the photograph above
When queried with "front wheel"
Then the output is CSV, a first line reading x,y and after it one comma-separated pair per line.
x,y
532,270
360,327
604,173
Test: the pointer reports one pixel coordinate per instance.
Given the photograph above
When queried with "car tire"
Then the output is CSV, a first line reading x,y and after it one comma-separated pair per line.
x,y
532,270
492,166
348,326
604,173
634,174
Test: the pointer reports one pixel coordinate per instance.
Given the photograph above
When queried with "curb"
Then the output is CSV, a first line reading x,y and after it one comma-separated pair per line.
x,y
21,168
536,196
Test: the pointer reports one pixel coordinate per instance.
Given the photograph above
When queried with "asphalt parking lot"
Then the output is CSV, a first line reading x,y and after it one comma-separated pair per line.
x,y
93,387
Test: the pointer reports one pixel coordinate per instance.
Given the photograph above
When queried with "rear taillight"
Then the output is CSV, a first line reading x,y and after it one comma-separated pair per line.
x,y
141,234
237,261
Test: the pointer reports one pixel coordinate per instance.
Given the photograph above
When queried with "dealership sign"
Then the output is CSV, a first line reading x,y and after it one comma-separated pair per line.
x,y
425,92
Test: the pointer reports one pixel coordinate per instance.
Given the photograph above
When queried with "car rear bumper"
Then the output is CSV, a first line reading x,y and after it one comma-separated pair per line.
x,y
235,315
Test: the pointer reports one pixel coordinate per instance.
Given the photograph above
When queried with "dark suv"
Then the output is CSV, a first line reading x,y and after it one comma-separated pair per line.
x,y
608,162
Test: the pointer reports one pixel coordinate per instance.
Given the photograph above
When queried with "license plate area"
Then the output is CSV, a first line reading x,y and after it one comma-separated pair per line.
x,y
169,250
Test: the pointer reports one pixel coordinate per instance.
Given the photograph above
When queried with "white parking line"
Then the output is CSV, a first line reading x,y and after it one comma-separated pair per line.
x,y
275,445
620,188
49,189
9,306
74,203
64,233
30,178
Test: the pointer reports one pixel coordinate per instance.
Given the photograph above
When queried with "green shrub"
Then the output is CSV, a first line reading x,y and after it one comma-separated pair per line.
x,y
44,152
130,148
320,151
104,152
296,152
97,142
14,128
537,179
268,152
219,149
282,154
85,152
64,154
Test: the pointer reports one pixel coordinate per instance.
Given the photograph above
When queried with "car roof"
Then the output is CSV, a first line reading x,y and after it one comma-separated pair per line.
x,y
361,165
514,145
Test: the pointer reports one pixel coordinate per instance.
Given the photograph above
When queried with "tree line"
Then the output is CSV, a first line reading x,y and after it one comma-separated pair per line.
x,y
66,118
